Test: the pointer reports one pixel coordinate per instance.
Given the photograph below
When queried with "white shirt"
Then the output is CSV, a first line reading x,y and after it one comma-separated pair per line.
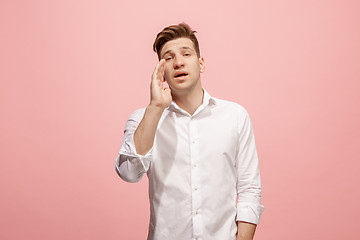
x,y
197,168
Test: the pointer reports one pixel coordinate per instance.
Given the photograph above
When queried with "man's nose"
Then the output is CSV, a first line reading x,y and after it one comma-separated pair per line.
x,y
178,63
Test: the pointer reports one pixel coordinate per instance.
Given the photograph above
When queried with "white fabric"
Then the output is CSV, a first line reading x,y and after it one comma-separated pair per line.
x,y
197,168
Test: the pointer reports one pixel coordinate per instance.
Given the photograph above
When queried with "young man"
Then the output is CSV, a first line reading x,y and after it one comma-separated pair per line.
x,y
198,151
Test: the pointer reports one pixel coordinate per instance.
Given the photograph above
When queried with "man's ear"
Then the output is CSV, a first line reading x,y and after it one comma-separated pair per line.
x,y
202,64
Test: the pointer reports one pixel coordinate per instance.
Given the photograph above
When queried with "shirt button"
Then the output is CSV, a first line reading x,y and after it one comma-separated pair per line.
x,y
195,165
196,188
197,237
196,212
193,141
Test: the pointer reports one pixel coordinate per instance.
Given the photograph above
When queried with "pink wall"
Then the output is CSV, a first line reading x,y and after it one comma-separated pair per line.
x,y
72,72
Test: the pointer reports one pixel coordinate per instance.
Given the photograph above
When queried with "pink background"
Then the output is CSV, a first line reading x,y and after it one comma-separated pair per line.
x,y
73,71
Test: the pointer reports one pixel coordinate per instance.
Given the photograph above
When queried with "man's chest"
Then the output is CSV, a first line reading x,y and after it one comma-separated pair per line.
x,y
202,145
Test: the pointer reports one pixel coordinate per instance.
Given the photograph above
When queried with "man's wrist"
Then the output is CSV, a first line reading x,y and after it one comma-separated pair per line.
x,y
155,108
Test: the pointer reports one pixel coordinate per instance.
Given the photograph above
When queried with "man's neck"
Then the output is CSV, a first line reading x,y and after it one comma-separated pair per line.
x,y
191,100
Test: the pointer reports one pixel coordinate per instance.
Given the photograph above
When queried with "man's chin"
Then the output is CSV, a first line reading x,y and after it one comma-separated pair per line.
x,y
179,88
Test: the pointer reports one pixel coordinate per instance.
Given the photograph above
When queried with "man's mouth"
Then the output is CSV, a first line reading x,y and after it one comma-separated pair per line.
x,y
180,74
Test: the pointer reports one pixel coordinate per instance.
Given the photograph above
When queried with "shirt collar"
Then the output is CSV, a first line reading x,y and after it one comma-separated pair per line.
x,y
207,99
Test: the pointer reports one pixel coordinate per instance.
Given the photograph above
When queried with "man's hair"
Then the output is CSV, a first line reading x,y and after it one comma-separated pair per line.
x,y
173,32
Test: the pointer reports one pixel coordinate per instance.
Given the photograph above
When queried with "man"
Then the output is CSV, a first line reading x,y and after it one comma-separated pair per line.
x,y
198,151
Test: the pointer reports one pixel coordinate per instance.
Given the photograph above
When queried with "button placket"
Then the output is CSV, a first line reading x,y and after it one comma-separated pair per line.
x,y
195,178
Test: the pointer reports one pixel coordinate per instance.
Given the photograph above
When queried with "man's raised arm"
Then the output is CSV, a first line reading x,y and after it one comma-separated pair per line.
x,y
160,98
135,153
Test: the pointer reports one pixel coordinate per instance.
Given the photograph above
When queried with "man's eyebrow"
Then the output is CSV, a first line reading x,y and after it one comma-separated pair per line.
x,y
166,52
184,47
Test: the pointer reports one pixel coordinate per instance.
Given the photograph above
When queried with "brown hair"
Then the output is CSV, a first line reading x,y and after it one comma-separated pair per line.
x,y
173,32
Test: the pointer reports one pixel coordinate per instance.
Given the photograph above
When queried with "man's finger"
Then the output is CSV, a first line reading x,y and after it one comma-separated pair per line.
x,y
155,74
161,70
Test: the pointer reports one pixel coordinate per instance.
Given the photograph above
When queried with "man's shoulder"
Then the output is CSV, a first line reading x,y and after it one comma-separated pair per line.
x,y
139,110
229,105
137,114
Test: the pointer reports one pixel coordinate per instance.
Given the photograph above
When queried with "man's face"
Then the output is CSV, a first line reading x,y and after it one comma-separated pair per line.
x,y
182,65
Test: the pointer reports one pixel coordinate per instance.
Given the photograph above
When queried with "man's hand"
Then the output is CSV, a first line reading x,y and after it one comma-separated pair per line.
x,y
160,94
246,231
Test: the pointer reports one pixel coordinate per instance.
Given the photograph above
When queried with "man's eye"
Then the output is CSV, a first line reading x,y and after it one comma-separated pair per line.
x,y
187,54
168,58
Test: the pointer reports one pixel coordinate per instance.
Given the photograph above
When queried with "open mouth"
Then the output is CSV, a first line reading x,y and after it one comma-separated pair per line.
x,y
180,75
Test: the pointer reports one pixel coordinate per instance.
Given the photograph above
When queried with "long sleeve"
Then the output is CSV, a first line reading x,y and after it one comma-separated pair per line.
x,y
249,208
130,165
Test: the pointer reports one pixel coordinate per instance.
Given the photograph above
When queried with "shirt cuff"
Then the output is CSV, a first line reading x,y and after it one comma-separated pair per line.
x,y
128,152
249,212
